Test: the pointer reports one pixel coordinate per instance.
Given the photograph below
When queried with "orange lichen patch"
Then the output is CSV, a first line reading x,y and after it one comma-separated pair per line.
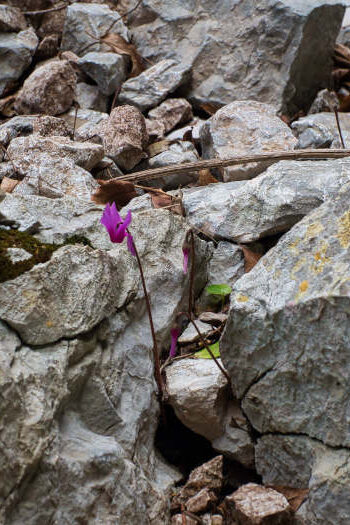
x,y
320,259
303,286
343,234
242,298
49,324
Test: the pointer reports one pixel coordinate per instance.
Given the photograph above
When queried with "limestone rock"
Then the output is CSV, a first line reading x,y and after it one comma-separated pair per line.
x,y
285,342
49,89
209,476
320,131
257,505
236,50
108,70
16,53
53,177
172,113
86,121
83,20
190,335
177,153
152,86
201,501
11,19
24,150
89,97
325,100
46,126
271,203
124,136
14,127
243,128
17,255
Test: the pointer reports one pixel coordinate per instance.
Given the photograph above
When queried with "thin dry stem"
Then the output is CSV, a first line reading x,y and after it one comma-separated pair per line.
x,y
44,11
338,126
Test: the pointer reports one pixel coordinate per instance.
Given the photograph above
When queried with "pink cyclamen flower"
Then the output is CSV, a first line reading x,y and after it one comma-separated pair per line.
x,y
117,227
174,332
186,253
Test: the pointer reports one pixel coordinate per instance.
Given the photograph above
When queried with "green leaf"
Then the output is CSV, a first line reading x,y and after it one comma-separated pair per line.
x,y
219,289
204,354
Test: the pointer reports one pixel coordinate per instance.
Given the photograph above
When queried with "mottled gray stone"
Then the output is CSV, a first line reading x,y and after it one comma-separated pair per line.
x,y
285,344
244,128
26,151
226,265
325,100
17,255
11,19
194,126
85,123
320,131
89,97
190,334
172,113
176,153
16,53
83,20
53,177
271,203
243,49
14,127
152,86
108,70
55,220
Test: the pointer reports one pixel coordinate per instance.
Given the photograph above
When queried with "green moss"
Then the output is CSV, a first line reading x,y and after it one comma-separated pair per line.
x,y
41,252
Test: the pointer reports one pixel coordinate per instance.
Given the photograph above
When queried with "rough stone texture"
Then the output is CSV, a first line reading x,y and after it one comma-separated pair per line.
x,y
55,220
344,34
46,126
124,136
178,519
194,126
11,19
209,476
190,334
15,127
89,97
48,47
108,70
83,20
25,151
326,100
242,49
172,112
243,128
199,394
320,131
16,53
49,89
257,505
176,153
53,177
152,86
86,122
17,254
271,203
201,501
285,344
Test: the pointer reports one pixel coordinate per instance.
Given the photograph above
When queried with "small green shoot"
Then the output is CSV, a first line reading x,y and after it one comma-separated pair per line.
x,y
204,354
219,289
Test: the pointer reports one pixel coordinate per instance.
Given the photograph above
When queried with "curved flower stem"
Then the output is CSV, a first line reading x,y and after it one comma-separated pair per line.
x,y
206,346
157,372
190,293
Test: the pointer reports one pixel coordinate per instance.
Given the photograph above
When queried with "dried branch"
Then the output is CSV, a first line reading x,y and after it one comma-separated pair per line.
x,y
44,11
338,126
314,154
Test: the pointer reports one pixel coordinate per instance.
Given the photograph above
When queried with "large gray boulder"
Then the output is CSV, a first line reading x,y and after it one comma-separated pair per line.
x,y
108,70
16,53
286,341
242,49
244,128
271,203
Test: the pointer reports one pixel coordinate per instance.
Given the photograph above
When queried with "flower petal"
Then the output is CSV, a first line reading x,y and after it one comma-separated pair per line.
x,y
121,231
174,332
186,253
109,220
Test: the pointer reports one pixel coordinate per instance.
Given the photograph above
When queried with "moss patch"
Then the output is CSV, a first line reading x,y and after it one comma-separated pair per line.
x,y
41,252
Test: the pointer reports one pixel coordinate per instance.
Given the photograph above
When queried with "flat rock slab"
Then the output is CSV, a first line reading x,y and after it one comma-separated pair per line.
x,y
285,344
242,128
238,50
271,203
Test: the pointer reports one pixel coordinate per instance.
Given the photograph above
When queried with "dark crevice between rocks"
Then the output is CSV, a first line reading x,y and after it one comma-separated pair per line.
x,y
41,252
187,450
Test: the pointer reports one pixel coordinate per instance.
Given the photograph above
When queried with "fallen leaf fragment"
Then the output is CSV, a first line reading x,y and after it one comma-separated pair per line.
x,y
161,199
250,258
205,177
119,191
7,106
8,185
294,496
119,45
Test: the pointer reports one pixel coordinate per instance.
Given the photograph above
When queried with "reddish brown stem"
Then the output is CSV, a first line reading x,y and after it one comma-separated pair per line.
x,y
190,293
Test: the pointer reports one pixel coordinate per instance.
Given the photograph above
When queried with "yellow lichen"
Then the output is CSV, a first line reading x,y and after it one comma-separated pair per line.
x,y
303,286
293,246
313,230
320,258
242,298
344,229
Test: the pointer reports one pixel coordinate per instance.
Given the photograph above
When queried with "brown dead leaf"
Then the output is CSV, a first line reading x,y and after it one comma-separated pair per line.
x,y
295,497
119,191
210,108
8,185
342,56
250,258
205,177
119,45
7,104
161,199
